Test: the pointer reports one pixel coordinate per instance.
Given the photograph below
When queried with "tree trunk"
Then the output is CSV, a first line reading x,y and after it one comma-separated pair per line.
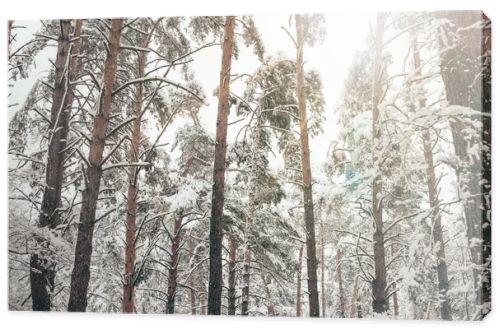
x,y
231,292
354,301
192,292
322,265
298,306
461,65
312,277
203,302
42,270
83,251
252,206
379,283
341,284
216,217
174,263
395,300
133,188
270,306
432,191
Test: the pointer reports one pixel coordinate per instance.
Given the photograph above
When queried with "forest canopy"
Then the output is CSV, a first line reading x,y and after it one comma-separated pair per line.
x,y
252,165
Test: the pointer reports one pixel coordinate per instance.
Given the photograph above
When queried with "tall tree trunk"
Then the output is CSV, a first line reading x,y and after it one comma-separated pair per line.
x,y
298,298
174,263
83,251
43,270
432,191
379,283
322,265
252,205
342,302
467,59
312,276
216,217
231,291
133,188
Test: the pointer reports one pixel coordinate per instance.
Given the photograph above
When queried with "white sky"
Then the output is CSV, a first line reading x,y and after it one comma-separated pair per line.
x,y
346,33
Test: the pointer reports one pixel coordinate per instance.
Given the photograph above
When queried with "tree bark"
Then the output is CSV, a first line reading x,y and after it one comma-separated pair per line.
x,y
432,191
354,301
270,306
322,265
192,292
379,283
298,298
83,251
312,276
252,205
342,302
216,217
133,188
174,263
461,64
42,270
231,292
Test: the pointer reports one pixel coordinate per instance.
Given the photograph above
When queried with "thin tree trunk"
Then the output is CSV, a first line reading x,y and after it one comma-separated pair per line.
x,y
432,191
461,65
354,300
83,251
252,205
42,270
133,188
379,283
216,217
270,306
341,284
298,298
198,278
192,292
203,302
231,292
174,263
395,300
312,276
322,265
360,310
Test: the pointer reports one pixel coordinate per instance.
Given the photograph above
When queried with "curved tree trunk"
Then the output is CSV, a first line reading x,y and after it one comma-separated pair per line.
x,y
215,275
312,265
42,270
80,275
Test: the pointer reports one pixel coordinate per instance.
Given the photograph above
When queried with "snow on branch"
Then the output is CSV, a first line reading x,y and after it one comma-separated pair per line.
x,y
126,164
157,78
